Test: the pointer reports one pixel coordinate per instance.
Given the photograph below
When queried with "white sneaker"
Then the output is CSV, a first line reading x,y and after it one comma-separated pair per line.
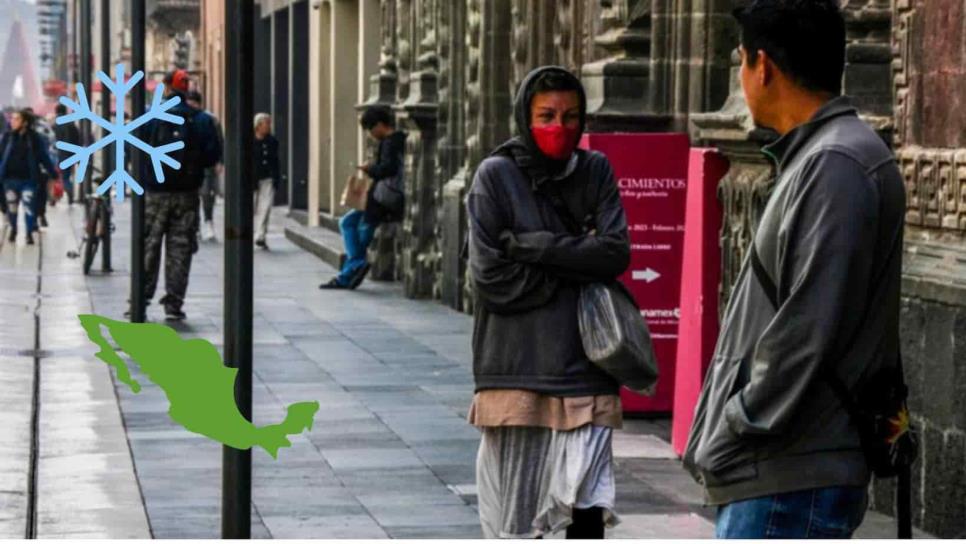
x,y
209,231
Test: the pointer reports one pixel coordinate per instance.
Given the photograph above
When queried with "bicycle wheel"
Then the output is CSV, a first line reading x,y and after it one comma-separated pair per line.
x,y
93,238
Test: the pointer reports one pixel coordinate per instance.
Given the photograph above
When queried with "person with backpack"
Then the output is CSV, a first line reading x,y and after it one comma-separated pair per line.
x,y
209,191
781,441
385,198
171,207
23,162
68,133
267,172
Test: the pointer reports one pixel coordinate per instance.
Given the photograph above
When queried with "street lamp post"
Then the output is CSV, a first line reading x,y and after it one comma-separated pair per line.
x,y
84,22
137,202
236,496
106,114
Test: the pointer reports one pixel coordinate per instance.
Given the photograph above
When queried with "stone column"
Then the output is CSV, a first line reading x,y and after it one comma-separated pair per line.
x,y
382,91
623,91
533,37
418,117
486,113
451,148
868,61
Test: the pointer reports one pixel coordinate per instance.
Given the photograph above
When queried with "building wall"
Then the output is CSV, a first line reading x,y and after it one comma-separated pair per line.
x,y
449,69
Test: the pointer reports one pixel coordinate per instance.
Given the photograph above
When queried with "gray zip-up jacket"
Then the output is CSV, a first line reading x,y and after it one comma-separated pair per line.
x,y
830,238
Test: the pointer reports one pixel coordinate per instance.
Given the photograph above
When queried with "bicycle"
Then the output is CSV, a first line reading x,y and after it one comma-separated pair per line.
x,y
97,226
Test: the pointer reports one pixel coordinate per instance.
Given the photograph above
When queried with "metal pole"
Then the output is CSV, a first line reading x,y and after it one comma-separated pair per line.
x,y
84,22
106,114
236,495
137,202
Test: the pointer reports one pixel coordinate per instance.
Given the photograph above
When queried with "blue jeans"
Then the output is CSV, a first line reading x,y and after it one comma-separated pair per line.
x,y
357,235
17,191
831,512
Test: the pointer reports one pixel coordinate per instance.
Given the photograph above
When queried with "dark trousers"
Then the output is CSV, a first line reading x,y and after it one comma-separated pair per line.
x,y
170,219
40,199
587,524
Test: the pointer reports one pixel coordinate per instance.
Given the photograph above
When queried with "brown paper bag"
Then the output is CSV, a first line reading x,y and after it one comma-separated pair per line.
x,y
356,191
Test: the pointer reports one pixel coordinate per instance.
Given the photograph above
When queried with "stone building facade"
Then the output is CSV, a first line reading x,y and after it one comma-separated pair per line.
x,y
449,70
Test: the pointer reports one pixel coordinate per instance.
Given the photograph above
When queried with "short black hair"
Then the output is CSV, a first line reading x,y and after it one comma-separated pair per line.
x,y
375,115
554,80
60,109
804,38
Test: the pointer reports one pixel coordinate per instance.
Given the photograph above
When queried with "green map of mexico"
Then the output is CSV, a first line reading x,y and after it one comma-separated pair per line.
x,y
198,386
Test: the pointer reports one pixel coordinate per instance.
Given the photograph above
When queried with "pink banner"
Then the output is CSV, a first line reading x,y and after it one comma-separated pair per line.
x,y
652,171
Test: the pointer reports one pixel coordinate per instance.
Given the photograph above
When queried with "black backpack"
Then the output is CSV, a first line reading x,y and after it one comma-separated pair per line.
x,y
200,151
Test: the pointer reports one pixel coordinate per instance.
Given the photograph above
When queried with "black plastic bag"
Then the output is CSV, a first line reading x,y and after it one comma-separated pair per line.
x,y
615,336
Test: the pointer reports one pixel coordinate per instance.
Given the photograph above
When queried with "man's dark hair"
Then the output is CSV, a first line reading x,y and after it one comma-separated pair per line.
x,y
553,80
805,39
60,109
375,115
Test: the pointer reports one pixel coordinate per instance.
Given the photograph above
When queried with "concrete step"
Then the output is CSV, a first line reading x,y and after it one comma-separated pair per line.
x,y
319,241
326,220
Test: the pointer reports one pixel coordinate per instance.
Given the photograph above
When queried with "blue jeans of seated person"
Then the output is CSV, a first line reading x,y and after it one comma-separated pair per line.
x,y
357,234
21,191
831,512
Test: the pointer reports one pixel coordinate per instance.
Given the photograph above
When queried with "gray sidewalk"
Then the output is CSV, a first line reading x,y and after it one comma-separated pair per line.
x,y
390,454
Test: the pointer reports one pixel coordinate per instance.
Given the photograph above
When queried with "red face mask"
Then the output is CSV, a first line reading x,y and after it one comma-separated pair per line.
x,y
556,141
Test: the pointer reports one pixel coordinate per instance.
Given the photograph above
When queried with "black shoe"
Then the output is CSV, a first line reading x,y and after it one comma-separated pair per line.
x,y
261,244
12,237
174,314
333,284
43,221
359,276
30,239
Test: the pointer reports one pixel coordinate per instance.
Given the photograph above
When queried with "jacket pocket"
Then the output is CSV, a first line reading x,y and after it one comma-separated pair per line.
x,y
718,454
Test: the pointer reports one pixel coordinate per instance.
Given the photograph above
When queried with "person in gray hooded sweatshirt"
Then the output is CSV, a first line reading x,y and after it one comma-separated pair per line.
x,y
772,444
544,218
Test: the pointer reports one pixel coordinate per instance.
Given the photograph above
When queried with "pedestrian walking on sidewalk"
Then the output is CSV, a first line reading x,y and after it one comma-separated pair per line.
x,y
209,189
42,196
67,133
544,218
23,162
813,320
385,198
171,207
267,173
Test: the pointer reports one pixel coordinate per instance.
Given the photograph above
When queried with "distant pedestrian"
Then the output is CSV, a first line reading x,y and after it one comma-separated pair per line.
x,y
171,208
23,162
813,321
544,218
267,172
67,133
209,190
385,200
42,196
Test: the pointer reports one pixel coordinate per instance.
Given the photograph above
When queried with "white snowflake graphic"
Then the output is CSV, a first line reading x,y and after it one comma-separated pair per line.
x,y
120,133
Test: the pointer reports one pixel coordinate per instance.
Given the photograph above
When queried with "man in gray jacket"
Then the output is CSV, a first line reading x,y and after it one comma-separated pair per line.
x,y
772,443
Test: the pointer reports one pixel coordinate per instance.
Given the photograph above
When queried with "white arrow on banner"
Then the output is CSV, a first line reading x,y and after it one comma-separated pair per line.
x,y
648,275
